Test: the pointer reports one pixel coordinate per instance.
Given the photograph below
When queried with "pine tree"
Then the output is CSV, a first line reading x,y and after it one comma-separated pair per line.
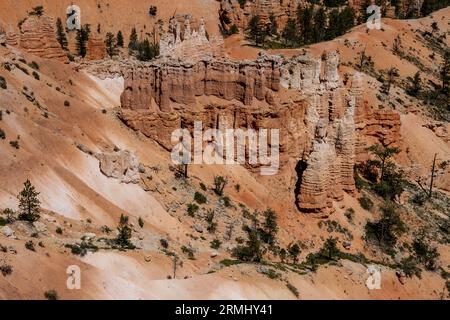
x,y
124,236
416,84
392,74
255,30
81,40
320,19
120,42
133,44
290,33
111,46
29,204
273,24
305,20
60,34
445,74
333,23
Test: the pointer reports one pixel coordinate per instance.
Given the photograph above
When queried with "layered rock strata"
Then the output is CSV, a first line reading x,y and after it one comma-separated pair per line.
x,y
323,126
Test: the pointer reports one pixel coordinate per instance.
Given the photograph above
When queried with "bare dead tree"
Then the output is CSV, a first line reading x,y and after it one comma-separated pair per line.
x,y
429,191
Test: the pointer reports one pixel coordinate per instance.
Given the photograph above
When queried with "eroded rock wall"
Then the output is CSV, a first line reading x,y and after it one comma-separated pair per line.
x,y
324,126
37,36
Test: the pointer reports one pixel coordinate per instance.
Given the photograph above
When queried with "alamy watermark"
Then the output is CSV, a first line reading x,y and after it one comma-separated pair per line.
x,y
374,20
73,17
230,146
373,282
74,280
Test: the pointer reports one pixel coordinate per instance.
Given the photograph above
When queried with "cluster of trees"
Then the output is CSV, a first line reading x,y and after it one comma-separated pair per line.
x,y
383,175
143,50
253,249
311,24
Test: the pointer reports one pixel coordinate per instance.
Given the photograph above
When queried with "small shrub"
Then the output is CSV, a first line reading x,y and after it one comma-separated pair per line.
x,y
366,203
200,198
349,214
15,144
219,184
59,230
3,84
6,269
141,222
36,75
30,245
215,244
202,186
34,65
105,229
66,103
192,208
226,201
293,289
2,134
164,243
51,295
229,262
189,251
409,267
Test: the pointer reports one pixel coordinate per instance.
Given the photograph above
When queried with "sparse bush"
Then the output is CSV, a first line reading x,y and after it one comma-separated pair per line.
x,y
425,254
164,243
6,269
153,11
212,226
30,245
349,214
293,289
251,252
219,184
226,201
124,236
237,187
59,230
200,198
141,222
15,144
366,203
215,244
202,186
387,229
189,251
33,65
82,249
36,75
51,295
409,267
66,103
3,84
192,208
105,229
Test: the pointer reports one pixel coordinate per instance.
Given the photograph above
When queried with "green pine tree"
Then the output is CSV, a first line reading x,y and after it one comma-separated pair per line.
x,y
111,44
29,204
60,34
120,42
82,38
133,44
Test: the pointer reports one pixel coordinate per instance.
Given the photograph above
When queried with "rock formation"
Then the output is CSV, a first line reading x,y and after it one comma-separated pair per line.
x,y
182,43
95,49
323,126
37,36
